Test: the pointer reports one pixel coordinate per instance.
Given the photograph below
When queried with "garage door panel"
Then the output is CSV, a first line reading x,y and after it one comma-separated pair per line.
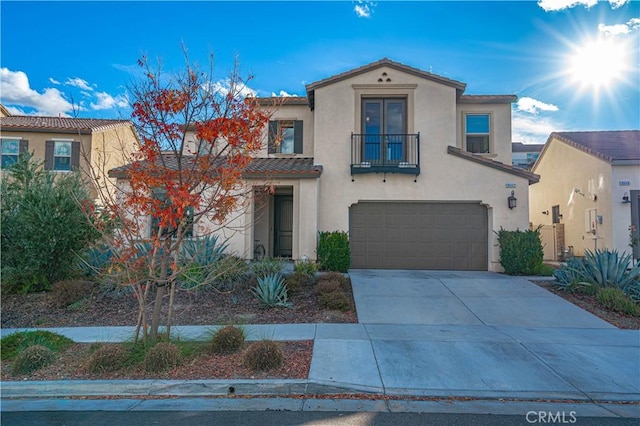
x,y
413,235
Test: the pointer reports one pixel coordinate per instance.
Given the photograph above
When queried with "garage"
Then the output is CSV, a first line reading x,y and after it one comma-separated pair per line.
x,y
418,235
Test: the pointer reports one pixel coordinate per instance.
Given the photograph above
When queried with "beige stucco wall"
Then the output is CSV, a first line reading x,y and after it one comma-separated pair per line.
x,y
562,170
432,112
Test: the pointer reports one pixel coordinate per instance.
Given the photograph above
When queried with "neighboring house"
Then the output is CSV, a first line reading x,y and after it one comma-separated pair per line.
x,y
66,144
525,155
418,173
589,189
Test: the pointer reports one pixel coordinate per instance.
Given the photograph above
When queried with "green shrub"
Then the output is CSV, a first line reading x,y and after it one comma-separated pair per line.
x,y
163,356
263,355
267,266
615,299
32,358
333,251
43,226
107,358
545,271
227,340
14,343
335,300
296,281
228,272
67,292
306,268
520,252
271,291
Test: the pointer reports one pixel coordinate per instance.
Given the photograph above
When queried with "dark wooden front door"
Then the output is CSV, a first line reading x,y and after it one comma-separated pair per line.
x,y
283,229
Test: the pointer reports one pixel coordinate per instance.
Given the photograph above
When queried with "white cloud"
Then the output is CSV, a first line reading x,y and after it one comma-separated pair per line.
x,y
620,29
532,129
363,8
283,94
79,83
556,5
223,87
54,81
106,101
16,91
533,106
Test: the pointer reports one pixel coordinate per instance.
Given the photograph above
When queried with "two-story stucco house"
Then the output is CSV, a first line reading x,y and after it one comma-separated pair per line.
x,y
418,173
67,144
589,191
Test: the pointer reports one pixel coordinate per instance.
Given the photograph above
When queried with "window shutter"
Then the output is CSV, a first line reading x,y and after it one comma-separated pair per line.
x,y
75,155
273,134
24,146
297,136
48,155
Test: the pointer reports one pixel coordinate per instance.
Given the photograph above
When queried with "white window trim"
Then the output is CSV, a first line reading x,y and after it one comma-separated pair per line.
x,y
492,151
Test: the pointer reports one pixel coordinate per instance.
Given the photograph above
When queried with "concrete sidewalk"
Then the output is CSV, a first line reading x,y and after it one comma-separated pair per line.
x,y
436,334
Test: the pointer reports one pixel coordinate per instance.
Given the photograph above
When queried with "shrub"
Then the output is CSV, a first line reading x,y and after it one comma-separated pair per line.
x,y
227,340
107,358
521,252
43,226
67,292
326,286
14,343
267,266
335,276
263,355
615,299
161,357
306,268
296,281
333,251
228,272
335,300
33,358
271,291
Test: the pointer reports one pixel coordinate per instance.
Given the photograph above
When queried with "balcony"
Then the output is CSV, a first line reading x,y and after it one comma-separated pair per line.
x,y
385,153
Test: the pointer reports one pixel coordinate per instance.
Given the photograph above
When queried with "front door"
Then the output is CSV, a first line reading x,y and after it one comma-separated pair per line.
x,y
283,229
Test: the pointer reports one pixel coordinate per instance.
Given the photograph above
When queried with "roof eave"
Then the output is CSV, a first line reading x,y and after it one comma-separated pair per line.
x,y
531,177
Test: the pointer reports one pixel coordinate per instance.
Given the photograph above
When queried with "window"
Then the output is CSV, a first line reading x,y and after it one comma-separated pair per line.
x,y
62,155
555,214
477,129
384,124
11,149
285,137
155,222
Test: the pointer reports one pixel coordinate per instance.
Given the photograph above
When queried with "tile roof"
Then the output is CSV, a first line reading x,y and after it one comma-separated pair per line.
x,y
532,177
487,99
67,124
259,168
610,146
283,100
526,147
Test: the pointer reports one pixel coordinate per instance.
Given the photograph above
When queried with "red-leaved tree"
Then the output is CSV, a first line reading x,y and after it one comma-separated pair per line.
x,y
177,181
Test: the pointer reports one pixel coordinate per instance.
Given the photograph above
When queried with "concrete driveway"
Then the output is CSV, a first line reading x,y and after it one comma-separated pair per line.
x,y
481,334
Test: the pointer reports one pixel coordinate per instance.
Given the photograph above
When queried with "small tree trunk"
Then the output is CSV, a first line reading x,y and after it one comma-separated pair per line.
x,y
172,292
160,290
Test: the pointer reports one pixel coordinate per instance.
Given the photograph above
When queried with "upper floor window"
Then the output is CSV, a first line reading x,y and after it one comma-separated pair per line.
x,y
62,155
285,137
477,133
11,149
384,125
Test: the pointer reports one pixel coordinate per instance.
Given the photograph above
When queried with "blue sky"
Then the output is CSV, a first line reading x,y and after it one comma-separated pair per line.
x,y
574,64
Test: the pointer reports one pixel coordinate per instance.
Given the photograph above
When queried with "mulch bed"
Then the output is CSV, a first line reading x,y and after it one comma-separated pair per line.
x,y
591,304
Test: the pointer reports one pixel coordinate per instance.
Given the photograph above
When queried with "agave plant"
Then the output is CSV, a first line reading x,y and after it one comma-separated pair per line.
x,y
610,269
267,266
203,251
95,259
271,291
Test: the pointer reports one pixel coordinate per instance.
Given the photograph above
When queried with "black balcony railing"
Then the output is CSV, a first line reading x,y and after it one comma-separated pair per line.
x,y
385,153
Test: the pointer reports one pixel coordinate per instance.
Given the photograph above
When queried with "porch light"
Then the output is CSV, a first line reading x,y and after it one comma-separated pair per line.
x,y
512,200
625,198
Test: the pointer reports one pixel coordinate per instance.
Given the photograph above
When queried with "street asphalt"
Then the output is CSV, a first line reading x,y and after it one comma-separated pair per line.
x,y
465,342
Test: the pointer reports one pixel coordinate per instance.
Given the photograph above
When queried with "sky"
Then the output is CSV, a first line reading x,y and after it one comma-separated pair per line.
x,y
574,64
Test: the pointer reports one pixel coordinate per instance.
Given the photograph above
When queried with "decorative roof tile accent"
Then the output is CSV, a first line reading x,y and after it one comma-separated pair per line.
x,y
531,177
487,99
284,100
58,124
259,168
615,145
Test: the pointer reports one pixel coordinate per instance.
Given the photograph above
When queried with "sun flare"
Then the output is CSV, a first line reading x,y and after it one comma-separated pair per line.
x,y
598,63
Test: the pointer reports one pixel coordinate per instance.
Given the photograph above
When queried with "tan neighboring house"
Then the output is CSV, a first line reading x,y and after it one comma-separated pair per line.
x,y
418,173
589,192
66,144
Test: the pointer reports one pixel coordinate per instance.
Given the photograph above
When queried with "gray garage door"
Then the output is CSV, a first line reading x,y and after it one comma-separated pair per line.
x,y
418,235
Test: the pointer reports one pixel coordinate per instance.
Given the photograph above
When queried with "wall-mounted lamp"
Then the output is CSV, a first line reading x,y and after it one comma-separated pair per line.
x,y
594,197
625,198
546,212
512,200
